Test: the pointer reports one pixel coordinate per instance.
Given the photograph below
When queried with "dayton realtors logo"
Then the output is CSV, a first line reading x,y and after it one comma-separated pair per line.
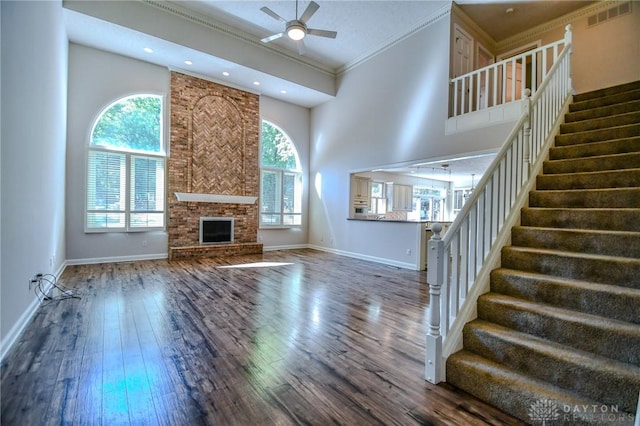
x,y
544,410
547,411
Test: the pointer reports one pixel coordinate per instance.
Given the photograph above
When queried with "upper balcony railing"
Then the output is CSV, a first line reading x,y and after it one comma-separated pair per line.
x,y
504,81
460,261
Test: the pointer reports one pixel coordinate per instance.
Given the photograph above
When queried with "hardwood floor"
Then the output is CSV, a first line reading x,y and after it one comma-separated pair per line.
x,y
311,338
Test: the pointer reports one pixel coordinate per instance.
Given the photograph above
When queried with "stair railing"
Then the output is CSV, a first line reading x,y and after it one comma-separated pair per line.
x,y
504,81
459,263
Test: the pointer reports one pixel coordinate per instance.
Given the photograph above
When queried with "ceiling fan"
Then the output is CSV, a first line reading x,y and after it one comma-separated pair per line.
x,y
297,29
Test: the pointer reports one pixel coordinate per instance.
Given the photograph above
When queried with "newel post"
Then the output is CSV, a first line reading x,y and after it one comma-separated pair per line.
x,y
568,41
526,95
435,273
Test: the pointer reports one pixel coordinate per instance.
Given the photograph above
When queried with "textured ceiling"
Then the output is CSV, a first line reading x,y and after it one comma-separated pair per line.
x,y
363,26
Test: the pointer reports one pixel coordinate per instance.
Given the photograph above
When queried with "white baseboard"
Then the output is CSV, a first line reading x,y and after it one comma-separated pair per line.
x,y
18,328
360,256
285,247
93,260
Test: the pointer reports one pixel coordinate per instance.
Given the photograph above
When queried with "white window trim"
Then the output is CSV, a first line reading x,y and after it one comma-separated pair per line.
x,y
281,225
161,154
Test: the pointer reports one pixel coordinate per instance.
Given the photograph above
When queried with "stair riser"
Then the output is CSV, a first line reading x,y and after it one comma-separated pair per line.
x,y
593,164
602,338
623,245
593,149
611,220
604,385
621,132
588,198
607,301
600,123
623,272
612,179
623,108
603,101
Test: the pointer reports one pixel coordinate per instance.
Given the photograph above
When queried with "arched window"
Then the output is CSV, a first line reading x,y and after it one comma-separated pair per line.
x,y
280,179
126,167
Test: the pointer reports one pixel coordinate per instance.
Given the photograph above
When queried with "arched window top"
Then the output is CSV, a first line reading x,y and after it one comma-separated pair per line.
x,y
132,123
278,150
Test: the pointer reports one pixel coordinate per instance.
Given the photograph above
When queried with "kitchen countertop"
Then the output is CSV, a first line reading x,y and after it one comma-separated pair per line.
x,y
364,219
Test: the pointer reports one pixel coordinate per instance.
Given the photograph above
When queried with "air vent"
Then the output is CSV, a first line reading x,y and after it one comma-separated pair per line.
x,y
600,17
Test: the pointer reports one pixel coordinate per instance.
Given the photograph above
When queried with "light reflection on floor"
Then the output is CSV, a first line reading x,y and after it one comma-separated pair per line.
x,y
255,265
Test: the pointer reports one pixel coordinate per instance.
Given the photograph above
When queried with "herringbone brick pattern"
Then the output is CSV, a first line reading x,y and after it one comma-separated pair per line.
x,y
214,149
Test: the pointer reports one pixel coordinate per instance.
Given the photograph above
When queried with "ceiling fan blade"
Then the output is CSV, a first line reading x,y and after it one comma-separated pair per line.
x,y
322,33
272,37
271,13
309,11
302,49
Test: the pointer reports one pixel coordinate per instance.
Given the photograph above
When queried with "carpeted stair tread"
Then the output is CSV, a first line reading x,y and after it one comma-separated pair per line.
x,y
605,380
595,149
604,111
608,243
607,91
590,180
626,131
600,123
606,300
582,218
606,337
601,101
587,198
582,266
516,393
593,164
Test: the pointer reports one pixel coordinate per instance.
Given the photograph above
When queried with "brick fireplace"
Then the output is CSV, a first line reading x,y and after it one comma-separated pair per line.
x,y
213,153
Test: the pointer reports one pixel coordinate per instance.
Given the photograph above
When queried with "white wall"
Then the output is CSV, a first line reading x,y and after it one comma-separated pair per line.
x,y
34,84
294,121
97,78
391,109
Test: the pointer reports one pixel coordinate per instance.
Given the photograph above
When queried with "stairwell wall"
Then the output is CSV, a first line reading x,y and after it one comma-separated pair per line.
x,y
605,54
389,110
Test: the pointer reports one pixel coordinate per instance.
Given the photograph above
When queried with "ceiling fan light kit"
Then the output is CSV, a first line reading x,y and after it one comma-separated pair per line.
x,y
296,29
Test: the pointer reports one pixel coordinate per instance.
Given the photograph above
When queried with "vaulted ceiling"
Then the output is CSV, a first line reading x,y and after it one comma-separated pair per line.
x,y
364,28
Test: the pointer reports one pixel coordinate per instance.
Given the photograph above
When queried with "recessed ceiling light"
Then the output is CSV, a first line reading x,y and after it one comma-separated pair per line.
x,y
225,73
257,83
148,50
188,62
284,92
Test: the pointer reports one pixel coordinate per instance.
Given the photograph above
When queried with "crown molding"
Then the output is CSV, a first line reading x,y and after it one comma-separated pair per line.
x,y
230,31
558,23
436,16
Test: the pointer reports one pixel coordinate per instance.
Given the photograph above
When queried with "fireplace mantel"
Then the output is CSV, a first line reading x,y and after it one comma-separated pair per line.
x,y
214,198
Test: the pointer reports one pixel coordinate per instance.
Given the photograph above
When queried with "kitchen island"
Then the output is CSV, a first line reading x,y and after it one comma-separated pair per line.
x,y
401,243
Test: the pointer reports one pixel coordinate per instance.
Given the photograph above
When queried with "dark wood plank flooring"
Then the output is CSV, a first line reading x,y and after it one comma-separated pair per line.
x,y
313,338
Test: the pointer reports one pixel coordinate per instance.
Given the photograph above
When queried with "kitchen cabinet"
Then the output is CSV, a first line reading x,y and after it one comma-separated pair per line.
x,y
399,197
361,190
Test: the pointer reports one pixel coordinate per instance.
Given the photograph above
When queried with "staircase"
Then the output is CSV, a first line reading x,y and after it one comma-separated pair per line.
x,y
557,339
